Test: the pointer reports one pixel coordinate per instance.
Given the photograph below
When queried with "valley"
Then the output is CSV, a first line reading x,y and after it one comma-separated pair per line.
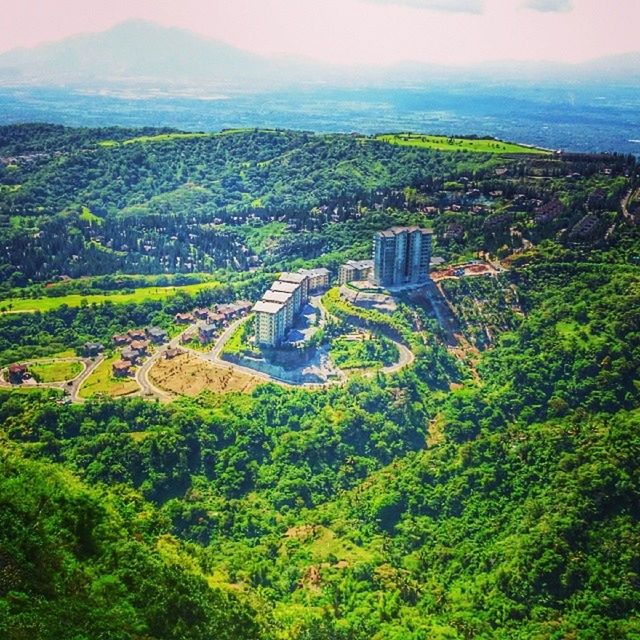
x,y
437,438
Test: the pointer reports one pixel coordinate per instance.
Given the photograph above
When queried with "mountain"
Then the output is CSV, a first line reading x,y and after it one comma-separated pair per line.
x,y
143,54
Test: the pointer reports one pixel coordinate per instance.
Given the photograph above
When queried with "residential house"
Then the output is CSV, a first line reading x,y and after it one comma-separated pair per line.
x,y
156,334
17,373
140,346
131,355
119,340
207,332
183,318
121,368
91,349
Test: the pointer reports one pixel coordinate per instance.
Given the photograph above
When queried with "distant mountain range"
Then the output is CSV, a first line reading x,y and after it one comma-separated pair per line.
x,y
142,54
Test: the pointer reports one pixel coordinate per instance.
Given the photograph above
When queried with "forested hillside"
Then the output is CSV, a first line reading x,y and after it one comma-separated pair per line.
x,y
485,492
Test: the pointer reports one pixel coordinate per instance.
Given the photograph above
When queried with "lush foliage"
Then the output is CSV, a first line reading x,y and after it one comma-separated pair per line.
x,y
478,493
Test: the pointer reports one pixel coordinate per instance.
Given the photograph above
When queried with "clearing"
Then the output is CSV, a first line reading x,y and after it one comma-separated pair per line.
x,y
141,294
55,371
188,374
444,143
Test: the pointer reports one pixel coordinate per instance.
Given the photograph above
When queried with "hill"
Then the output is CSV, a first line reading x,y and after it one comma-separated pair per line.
x,y
487,490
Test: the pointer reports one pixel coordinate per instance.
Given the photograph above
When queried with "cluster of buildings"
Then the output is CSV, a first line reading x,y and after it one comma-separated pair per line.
x,y
134,347
401,256
280,306
207,322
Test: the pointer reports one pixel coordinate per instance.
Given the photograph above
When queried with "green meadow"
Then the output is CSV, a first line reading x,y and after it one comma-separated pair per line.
x,y
443,143
49,303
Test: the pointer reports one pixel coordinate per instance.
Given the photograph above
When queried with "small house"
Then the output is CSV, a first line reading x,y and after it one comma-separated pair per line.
x,y
121,368
91,349
207,332
201,314
190,334
216,318
131,355
171,353
140,346
227,311
243,307
183,318
119,340
136,334
156,334
17,373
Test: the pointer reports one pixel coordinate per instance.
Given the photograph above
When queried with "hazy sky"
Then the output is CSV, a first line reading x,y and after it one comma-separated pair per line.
x,y
357,31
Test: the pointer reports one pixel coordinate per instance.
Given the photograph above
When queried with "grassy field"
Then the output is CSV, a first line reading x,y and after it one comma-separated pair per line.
x,y
101,381
26,305
55,371
161,137
443,143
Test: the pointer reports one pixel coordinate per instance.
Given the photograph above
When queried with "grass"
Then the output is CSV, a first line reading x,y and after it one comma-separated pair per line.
x,y
161,137
573,333
372,352
141,294
87,216
444,143
55,371
102,381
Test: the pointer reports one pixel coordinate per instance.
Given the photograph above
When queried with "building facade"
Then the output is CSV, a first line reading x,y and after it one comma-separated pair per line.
x,y
270,323
353,270
401,256
285,298
318,278
300,279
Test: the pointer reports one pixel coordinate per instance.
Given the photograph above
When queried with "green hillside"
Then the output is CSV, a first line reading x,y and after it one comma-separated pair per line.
x,y
487,490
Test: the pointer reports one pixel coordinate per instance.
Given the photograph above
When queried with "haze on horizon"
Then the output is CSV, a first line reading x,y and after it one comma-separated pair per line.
x,y
368,32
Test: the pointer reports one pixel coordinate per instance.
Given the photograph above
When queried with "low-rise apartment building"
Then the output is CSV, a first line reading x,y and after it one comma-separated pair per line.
x,y
353,270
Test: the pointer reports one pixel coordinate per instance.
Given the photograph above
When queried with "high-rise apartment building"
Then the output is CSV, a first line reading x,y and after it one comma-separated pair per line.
x,y
401,255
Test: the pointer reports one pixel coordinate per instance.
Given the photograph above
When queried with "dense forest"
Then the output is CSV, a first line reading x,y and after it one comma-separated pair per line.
x,y
491,495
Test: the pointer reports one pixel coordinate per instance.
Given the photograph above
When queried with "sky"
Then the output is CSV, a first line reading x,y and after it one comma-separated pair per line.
x,y
373,32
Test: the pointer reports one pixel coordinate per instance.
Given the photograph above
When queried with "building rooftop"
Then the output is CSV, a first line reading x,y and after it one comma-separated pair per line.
x,y
277,296
359,264
267,307
289,287
320,271
393,231
292,277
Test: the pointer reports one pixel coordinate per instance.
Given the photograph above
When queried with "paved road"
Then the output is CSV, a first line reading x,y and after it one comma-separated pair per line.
x,y
78,381
70,387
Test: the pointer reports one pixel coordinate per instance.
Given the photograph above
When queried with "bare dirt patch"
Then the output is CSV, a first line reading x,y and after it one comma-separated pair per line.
x,y
188,375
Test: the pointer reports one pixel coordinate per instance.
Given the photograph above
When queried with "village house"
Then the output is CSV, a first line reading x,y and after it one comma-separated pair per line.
x,y
140,346
17,373
170,354
131,355
119,340
183,318
190,334
215,318
201,314
121,368
136,334
207,332
156,334
227,311
91,349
